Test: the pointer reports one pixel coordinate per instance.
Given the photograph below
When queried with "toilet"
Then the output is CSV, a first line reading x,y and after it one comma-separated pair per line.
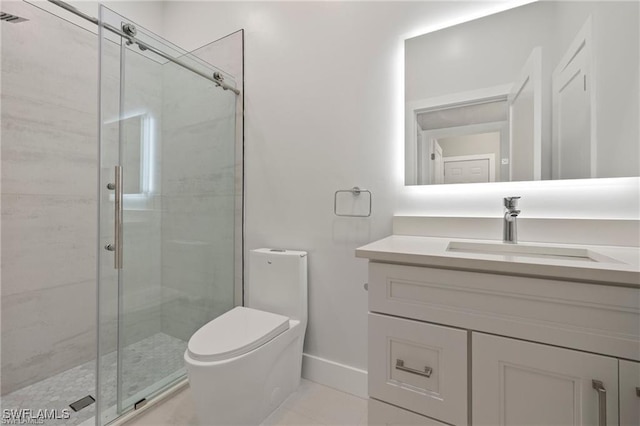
x,y
242,365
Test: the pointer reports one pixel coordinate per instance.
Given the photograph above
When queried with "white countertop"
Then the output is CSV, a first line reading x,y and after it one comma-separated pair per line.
x,y
430,251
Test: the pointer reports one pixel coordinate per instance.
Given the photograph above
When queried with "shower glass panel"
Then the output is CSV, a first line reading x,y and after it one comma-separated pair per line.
x,y
167,158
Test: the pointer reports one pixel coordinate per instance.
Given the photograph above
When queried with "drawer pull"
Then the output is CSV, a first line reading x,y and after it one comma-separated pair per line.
x,y
638,391
426,373
602,402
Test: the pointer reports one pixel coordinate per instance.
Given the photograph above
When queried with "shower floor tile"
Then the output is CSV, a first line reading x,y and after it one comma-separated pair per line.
x,y
145,363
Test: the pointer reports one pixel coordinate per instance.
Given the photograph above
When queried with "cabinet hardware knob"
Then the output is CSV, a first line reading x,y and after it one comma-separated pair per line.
x,y
602,402
638,391
426,373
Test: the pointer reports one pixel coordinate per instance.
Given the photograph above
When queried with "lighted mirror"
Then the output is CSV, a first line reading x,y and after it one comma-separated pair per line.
x,y
548,90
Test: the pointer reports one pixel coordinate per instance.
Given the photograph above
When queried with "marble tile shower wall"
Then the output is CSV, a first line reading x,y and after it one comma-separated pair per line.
x,y
198,200
48,196
49,168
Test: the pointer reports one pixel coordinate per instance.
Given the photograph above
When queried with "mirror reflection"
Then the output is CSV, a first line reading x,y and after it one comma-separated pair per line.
x,y
548,90
135,153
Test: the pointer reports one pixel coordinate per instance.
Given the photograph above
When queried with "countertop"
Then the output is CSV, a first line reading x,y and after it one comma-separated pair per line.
x,y
432,252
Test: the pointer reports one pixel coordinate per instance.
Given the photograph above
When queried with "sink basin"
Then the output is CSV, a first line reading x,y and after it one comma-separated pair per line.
x,y
536,251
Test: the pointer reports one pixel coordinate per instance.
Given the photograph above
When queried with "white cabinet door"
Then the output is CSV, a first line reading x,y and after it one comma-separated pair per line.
x,y
523,383
629,393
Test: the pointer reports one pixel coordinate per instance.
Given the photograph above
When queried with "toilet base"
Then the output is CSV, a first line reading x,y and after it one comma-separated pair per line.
x,y
246,389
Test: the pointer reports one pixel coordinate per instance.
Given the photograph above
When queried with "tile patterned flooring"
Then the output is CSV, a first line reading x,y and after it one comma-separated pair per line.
x,y
145,362
311,404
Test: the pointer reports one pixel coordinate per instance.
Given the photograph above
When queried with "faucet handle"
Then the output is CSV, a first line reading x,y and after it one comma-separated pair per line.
x,y
511,202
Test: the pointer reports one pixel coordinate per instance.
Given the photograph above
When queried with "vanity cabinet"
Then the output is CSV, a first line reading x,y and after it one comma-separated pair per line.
x,y
500,349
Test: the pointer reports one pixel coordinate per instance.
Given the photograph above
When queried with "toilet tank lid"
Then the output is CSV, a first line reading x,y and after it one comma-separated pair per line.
x,y
234,333
280,251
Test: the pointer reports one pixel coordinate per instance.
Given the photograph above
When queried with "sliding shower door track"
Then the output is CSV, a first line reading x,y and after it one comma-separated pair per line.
x,y
152,401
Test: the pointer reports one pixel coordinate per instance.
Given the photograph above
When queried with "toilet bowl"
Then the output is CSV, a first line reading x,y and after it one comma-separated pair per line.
x,y
242,365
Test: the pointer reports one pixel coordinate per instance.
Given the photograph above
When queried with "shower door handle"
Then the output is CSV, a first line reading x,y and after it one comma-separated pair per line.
x,y
117,241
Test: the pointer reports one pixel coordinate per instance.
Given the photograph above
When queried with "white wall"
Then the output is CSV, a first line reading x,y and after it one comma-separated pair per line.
x,y
477,55
324,111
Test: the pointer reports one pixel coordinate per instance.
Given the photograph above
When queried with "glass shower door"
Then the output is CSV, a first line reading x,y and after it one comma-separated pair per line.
x,y
167,210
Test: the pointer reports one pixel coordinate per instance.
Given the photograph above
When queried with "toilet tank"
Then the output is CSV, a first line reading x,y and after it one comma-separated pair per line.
x,y
278,282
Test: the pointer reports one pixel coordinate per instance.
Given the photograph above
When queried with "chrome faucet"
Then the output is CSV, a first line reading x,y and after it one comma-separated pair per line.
x,y
510,225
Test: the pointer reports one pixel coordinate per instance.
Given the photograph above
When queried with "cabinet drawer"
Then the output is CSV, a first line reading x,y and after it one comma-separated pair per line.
x,y
594,318
418,366
381,414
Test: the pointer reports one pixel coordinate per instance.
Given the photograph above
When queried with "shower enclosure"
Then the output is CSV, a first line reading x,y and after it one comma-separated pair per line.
x,y
101,290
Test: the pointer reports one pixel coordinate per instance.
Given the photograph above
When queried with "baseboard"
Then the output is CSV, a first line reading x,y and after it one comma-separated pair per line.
x,y
335,375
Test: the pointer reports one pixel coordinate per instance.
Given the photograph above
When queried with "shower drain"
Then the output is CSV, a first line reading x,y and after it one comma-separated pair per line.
x,y
82,403
7,17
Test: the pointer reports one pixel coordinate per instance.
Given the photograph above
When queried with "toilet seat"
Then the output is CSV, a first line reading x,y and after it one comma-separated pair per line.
x,y
234,333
